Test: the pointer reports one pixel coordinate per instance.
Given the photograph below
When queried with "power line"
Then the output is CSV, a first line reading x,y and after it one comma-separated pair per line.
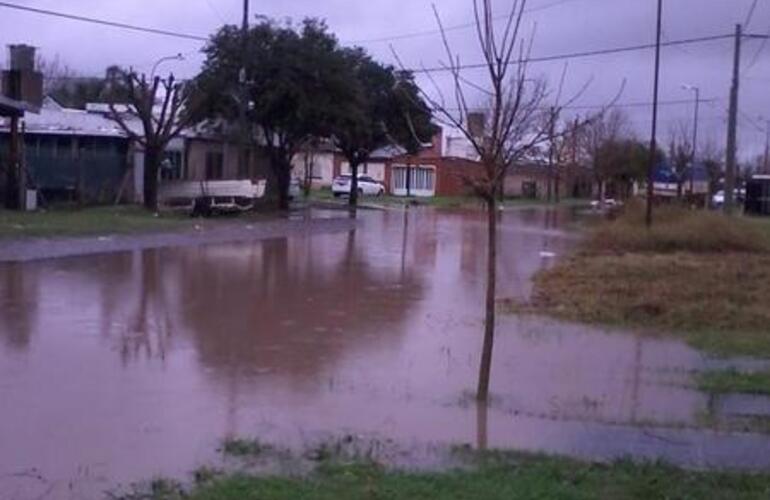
x,y
630,104
750,14
588,53
104,22
188,36
751,121
456,27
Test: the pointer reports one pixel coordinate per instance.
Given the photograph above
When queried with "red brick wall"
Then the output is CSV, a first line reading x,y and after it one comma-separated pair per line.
x,y
450,173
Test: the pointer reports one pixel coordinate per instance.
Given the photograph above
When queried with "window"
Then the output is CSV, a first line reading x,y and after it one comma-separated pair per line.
x,y
421,181
214,165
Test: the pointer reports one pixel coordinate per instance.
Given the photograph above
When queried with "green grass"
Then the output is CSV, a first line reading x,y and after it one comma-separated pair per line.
x,y
508,476
86,221
698,276
677,229
731,381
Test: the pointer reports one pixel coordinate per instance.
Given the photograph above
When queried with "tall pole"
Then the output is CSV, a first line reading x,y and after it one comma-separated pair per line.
x,y
694,138
243,101
766,163
177,57
732,125
653,139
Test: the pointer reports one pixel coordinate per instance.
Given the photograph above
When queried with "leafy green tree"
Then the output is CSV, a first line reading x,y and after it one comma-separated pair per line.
x,y
385,107
291,79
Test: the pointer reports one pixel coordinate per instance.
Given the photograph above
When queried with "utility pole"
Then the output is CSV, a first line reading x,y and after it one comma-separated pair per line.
x,y
732,125
694,138
653,139
766,162
243,101
550,177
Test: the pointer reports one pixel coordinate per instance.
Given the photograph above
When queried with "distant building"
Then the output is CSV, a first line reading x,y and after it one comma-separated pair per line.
x,y
531,181
432,172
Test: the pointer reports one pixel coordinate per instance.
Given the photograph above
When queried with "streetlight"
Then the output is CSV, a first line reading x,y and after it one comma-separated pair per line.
x,y
695,89
177,57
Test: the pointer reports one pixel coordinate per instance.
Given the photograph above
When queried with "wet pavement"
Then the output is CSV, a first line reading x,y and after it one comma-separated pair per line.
x,y
120,367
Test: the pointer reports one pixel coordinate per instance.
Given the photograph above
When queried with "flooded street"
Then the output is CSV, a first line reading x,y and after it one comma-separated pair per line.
x,y
120,367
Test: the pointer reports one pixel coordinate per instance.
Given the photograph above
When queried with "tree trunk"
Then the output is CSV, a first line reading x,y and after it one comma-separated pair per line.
x,y
12,177
151,167
408,180
353,198
489,319
282,170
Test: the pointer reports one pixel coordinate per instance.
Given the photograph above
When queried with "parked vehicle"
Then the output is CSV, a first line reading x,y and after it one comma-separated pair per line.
x,y
366,186
606,203
718,200
207,197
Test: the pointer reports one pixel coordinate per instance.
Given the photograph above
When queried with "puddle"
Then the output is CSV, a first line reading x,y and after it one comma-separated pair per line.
x,y
120,367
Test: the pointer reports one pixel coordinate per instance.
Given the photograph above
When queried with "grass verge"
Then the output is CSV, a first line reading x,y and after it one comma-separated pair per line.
x,y
86,221
699,276
244,447
506,476
732,381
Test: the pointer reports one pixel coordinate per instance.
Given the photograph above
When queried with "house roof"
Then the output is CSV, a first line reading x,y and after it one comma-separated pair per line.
x,y
12,107
54,119
388,152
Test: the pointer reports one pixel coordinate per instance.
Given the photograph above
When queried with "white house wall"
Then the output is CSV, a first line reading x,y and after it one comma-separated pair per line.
x,y
322,168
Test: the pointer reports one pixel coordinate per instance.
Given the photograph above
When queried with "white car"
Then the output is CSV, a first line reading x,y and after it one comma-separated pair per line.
x,y
718,199
366,186
607,203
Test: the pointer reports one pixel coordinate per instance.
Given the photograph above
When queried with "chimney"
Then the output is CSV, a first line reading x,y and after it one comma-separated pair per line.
x,y
21,82
21,57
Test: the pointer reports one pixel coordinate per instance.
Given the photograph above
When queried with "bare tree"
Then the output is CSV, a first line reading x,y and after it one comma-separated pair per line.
x,y
156,105
563,149
609,127
680,152
713,161
507,128
55,72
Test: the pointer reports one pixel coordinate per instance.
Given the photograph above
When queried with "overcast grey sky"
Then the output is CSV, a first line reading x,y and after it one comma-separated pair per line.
x,y
562,26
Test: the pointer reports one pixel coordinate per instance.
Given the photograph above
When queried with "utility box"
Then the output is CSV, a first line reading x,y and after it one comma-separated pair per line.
x,y
30,204
758,195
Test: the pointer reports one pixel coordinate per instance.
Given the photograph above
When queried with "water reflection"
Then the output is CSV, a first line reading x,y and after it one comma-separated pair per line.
x,y
19,294
141,362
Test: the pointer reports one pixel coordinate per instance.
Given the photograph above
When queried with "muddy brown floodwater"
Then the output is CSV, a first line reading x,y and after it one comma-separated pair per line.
x,y
120,367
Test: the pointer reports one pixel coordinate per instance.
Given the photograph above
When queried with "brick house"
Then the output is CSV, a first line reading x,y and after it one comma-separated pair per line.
x,y
531,181
432,172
